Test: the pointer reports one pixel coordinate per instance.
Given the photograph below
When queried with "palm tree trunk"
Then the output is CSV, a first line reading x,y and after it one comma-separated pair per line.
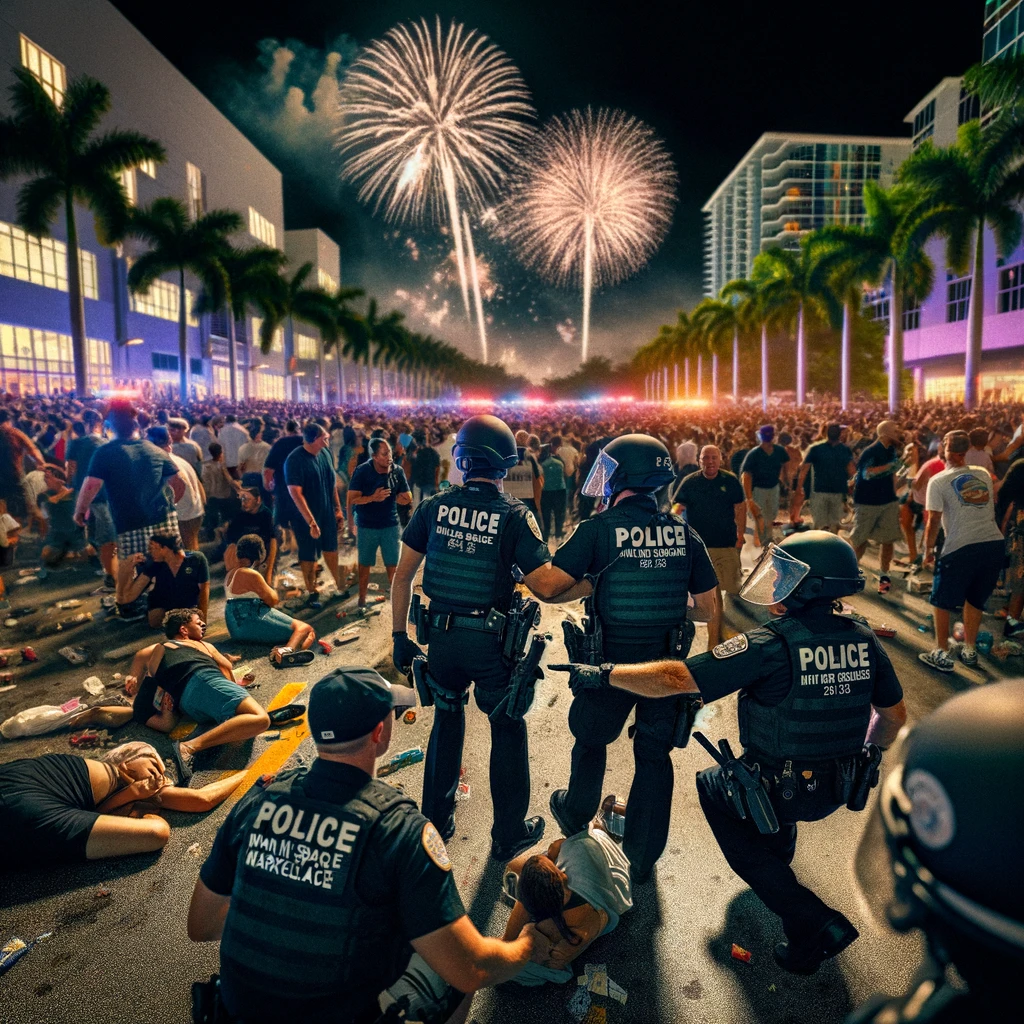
x,y
340,369
801,358
76,302
686,377
675,381
323,373
714,378
735,364
291,391
844,358
895,341
975,324
182,336
232,354
764,367
700,371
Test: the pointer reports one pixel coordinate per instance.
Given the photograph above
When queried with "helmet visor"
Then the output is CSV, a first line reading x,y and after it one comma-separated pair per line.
x,y
774,578
600,476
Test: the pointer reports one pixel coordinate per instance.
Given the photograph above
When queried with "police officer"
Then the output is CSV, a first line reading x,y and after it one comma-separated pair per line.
x,y
321,885
952,815
472,536
638,565
815,687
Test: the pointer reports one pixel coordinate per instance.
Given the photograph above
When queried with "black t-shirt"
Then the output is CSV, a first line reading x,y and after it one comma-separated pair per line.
x,y
376,515
404,869
736,460
260,522
61,513
279,451
765,467
315,475
181,590
425,463
829,467
46,810
135,472
710,506
878,490
80,452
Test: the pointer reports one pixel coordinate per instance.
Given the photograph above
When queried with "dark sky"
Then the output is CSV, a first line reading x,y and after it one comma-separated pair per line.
x,y
709,78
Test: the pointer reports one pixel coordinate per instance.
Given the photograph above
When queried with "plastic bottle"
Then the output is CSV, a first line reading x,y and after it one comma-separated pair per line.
x,y
65,605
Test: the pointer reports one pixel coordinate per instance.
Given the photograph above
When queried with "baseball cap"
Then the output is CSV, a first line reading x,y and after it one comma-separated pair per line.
x,y
351,702
957,441
158,435
766,433
405,440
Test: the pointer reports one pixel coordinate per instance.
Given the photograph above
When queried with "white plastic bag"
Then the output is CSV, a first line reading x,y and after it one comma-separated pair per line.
x,y
43,719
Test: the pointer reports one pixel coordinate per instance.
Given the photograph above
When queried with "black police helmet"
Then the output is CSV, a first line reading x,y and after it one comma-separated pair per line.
x,y
834,570
485,446
644,463
952,816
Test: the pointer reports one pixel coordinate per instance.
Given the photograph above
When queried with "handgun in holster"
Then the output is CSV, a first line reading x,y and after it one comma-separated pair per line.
x,y
207,1006
419,616
523,683
418,675
585,646
679,640
865,776
744,787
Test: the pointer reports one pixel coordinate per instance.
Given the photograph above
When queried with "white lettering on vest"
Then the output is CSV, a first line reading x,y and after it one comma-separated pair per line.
x,y
668,535
282,819
321,837
265,813
347,836
297,832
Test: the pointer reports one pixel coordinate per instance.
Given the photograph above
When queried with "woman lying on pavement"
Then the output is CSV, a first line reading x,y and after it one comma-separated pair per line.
x,y
251,609
63,809
574,893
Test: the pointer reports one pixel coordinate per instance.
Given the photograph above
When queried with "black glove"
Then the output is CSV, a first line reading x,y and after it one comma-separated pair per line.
x,y
403,651
585,677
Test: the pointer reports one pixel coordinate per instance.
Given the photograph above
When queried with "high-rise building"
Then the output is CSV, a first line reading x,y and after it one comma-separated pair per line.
x,y
786,185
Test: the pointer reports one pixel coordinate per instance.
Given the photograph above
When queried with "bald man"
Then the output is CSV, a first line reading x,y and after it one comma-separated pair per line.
x,y
876,512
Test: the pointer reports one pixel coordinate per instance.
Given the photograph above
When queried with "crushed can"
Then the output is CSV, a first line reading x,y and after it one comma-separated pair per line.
x,y
613,814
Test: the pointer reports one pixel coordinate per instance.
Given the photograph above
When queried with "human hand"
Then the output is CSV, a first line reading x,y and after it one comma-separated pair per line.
x,y
314,530
381,494
339,517
136,559
233,658
403,650
540,945
755,509
80,517
131,685
584,677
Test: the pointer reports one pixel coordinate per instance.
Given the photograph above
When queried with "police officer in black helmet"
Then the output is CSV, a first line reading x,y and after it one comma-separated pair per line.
x,y
472,536
818,701
953,816
637,567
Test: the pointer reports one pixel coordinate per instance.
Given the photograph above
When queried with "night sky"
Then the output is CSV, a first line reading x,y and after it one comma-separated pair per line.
x,y
708,78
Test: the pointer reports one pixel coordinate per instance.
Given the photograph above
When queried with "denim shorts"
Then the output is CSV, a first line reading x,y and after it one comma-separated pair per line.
x,y
100,525
386,538
209,697
248,618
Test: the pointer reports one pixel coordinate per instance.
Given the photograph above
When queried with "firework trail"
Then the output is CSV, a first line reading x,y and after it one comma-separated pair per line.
x,y
592,202
477,299
430,122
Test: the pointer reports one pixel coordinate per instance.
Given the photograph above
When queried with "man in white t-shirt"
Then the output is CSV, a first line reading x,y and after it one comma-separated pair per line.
x,y
961,499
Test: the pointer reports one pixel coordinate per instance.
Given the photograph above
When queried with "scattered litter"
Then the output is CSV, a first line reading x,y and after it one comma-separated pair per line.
x,y
551,703
919,584
739,953
10,623
598,983
373,586
463,791
771,987
705,715
325,646
579,1002
93,685
79,656
613,815
101,893
6,677
407,757
346,638
922,629
14,950
28,572
985,641
884,631
117,677
958,632
67,605
617,992
39,720
272,734
24,580
265,780
409,717
596,1015
6,655
1007,649
193,849
85,738
28,654
9,686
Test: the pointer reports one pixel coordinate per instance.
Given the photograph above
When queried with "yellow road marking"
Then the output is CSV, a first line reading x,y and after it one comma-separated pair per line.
x,y
182,729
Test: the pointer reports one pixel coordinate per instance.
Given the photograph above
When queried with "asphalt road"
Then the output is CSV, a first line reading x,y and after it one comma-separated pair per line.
x,y
125,956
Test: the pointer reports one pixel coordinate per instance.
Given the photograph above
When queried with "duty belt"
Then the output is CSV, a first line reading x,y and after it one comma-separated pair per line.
x,y
485,622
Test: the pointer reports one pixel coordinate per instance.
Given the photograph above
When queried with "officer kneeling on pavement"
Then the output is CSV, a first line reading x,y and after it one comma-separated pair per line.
x,y
818,702
476,626
953,815
636,567
321,885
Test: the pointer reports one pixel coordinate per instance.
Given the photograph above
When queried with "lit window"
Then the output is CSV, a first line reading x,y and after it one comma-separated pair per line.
x,y
127,179
47,69
270,386
1011,289
261,228
41,362
306,347
958,299
221,379
325,281
43,261
276,344
194,186
162,300
911,313
148,167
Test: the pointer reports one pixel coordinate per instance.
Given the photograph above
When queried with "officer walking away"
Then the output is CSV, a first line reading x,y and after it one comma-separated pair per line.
x,y
637,567
819,701
472,536
953,827
332,896
760,472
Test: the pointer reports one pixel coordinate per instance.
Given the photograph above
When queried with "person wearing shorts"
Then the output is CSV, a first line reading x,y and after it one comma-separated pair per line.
x,y
64,536
831,463
378,486
876,512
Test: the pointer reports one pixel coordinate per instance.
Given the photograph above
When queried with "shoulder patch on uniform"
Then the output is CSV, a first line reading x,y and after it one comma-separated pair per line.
x,y
534,528
434,845
735,645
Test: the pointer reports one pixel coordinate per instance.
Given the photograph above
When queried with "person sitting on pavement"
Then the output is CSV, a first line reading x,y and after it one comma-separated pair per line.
x,y
574,893
64,536
251,608
64,809
181,579
254,518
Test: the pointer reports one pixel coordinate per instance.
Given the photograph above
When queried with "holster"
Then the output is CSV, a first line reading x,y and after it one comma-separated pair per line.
x,y
521,617
686,715
583,648
207,1007
865,776
420,679
523,681
420,619
680,638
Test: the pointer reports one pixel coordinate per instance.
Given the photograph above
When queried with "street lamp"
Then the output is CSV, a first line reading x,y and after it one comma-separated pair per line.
x,y
127,360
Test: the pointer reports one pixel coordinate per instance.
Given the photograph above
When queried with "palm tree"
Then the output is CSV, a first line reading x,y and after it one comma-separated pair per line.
x,y
249,277
65,164
293,299
386,336
977,182
713,321
999,85
349,325
753,309
176,245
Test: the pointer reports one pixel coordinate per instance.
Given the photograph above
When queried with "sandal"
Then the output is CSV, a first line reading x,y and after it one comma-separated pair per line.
x,y
287,713
285,657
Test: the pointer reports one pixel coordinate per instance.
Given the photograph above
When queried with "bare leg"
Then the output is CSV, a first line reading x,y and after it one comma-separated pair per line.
x,y
715,625
106,717
1016,606
390,570
364,583
972,623
907,528
860,550
248,720
302,636
108,558
309,576
885,559
940,616
331,560
112,836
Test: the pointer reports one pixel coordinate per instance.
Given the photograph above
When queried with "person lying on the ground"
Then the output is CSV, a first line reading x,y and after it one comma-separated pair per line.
x,y
181,579
574,893
64,809
251,607
64,536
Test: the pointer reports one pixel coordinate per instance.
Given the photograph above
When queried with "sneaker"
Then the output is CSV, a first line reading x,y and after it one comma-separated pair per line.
x,y
884,584
1013,627
938,659
183,761
807,955
533,835
131,616
109,583
314,603
969,656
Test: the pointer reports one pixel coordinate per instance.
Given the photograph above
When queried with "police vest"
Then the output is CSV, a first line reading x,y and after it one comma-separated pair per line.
x,y
519,480
295,918
825,715
648,554
464,565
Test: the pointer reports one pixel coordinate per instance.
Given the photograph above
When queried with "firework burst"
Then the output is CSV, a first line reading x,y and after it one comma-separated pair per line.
x,y
430,122
593,201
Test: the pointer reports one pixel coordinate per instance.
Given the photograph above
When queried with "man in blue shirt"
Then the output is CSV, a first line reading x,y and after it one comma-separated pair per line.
x,y
876,512
376,488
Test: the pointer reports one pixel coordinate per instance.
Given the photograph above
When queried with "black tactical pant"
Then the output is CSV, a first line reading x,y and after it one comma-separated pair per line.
x,y
596,718
456,659
763,861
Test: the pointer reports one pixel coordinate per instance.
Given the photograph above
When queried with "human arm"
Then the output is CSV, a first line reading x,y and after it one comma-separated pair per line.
x,y
555,586
885,724
401,587
538,483
748,491
705,608
90,488
222,662
207,913
130,589
931,535
739,512
204,599
300,503
268,479
654,679
257,586
177,485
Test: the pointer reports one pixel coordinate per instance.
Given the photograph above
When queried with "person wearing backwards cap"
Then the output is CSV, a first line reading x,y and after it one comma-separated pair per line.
x,y
333,896
759,474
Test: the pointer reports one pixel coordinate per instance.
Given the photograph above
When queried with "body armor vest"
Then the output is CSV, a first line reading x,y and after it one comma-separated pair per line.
x,y
464,565
519,480
646,583
295,915
825,715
